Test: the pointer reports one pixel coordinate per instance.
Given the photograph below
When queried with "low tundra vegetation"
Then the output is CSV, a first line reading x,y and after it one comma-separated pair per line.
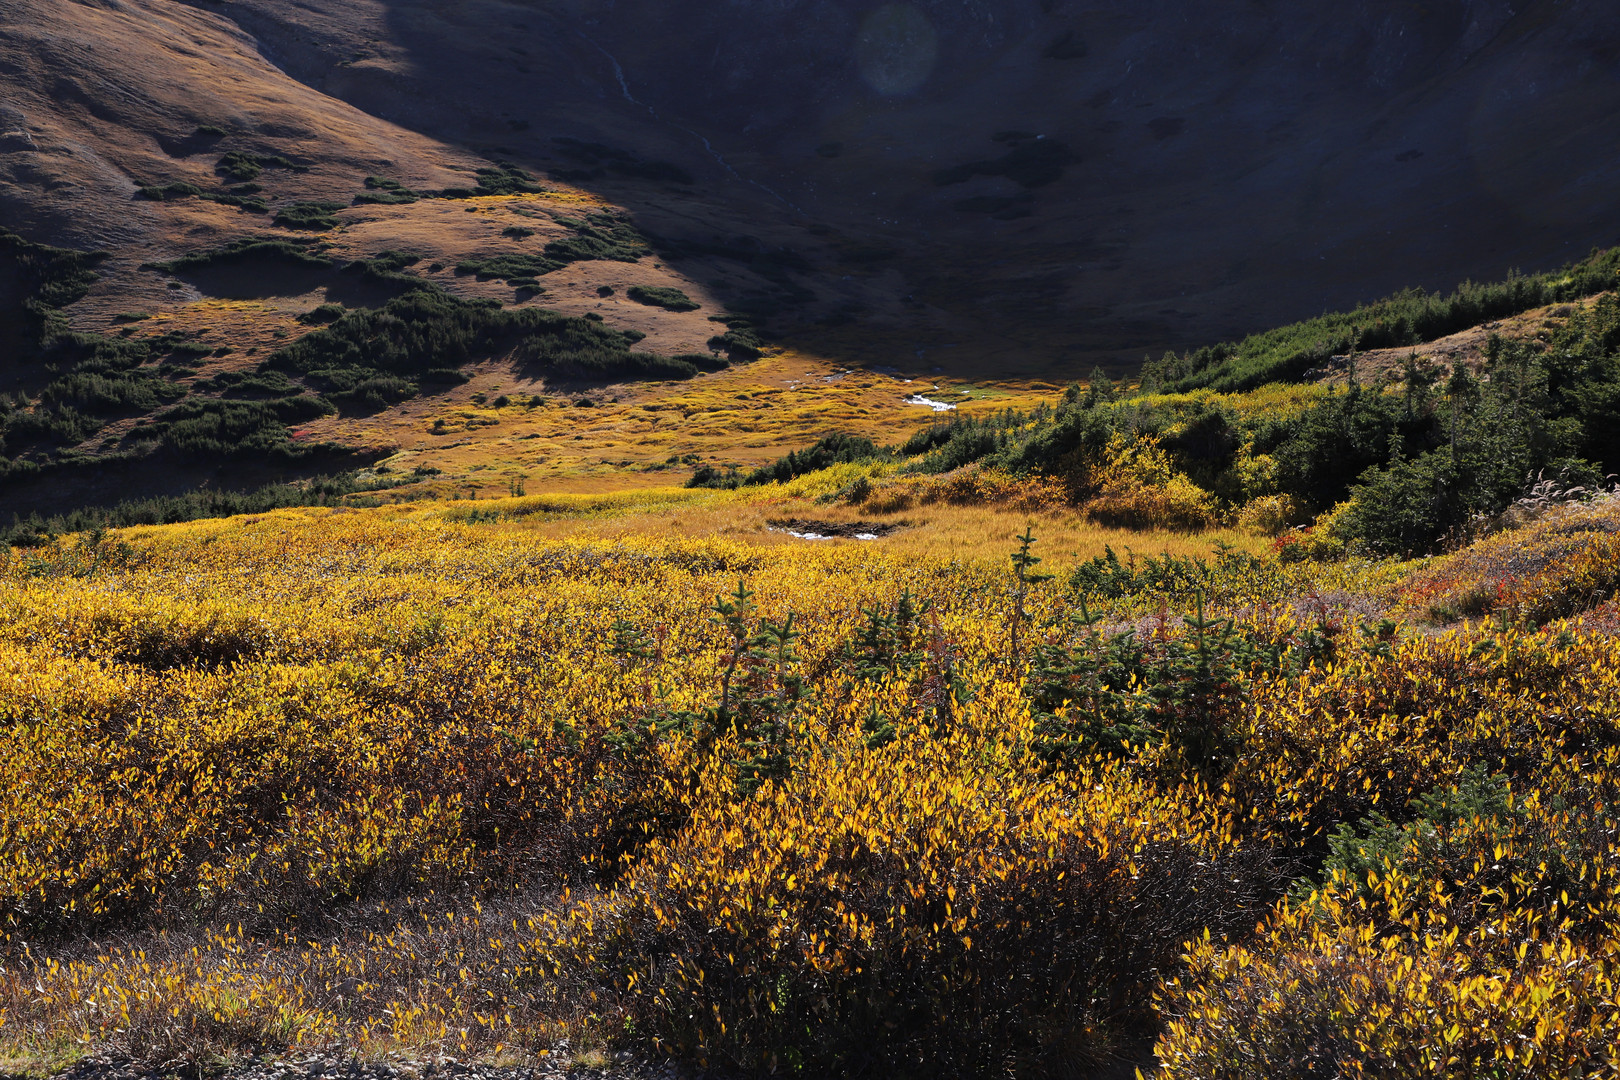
x,y
412,779
439,781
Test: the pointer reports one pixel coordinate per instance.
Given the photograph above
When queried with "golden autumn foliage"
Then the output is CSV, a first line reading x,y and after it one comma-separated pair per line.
x,y
454,783
1138,486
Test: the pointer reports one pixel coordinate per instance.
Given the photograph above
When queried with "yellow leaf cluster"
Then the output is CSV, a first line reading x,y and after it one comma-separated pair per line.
x,y
384,780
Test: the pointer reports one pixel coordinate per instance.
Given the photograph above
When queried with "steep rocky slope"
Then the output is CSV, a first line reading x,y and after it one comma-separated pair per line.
x,y
1028,182
963,191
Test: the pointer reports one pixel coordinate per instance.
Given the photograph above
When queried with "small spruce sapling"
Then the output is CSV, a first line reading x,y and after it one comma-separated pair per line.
x,y
759,687
1427,844
887,647
1025,575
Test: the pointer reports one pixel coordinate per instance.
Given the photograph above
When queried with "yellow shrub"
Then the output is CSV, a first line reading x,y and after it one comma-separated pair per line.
x,y
1328,992
404,780
1256,472
1138,486
1268,515
931,900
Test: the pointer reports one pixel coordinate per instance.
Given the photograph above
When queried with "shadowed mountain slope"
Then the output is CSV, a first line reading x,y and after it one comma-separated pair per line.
x,y
1028,180
996,188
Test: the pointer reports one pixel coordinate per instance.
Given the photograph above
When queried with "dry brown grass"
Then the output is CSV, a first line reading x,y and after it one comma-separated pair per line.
x,y
747,415
934,531
1466,346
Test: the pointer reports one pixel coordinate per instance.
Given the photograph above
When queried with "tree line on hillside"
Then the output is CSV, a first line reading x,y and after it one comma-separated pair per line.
x,y
1408,318
1398,466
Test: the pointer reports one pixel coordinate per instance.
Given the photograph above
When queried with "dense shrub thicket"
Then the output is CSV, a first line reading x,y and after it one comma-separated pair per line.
x,y
80,381
372,357
213,428
1409,462
315,216
244,165
741,340
853,813
658,296
496,180
606,235
301,253
600,236
67,383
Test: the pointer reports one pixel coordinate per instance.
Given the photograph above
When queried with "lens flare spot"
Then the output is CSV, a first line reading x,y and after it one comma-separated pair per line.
x,y
896,49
